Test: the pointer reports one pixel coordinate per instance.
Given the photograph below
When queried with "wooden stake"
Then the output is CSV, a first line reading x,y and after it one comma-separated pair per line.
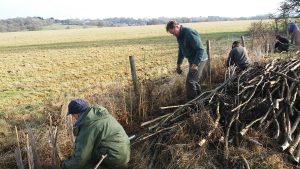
x,y
29,154
134,76
243,41
18,154
209,60
32,141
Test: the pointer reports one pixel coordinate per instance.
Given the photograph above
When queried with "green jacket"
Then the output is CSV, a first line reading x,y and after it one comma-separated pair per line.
x,y
190,46
98,133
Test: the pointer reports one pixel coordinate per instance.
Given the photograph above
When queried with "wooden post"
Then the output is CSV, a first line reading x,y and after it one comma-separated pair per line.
x,y
32,141
53,140
286,26
18,153
243,41
276,23
267,48
29,154
134,76
209,60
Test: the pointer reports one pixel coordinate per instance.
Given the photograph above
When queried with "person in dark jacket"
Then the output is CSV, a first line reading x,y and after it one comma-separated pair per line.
x,y
191,47
97,134
294,32
282,44
238,56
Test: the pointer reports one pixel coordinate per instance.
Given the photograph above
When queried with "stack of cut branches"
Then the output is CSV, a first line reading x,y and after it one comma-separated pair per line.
x,y
262,98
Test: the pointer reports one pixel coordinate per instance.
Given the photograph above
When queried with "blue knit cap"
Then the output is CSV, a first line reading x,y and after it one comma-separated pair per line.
x,y
77,106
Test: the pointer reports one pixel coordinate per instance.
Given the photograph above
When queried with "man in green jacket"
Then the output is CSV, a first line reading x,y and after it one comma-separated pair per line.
x,y
191,47
97,134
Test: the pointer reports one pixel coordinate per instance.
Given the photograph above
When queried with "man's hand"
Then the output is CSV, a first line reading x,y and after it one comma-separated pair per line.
x,y
178,69
194,69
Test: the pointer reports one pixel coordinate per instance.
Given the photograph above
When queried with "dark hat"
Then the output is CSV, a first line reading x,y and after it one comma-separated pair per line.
x,y
236,43
77,106
278,36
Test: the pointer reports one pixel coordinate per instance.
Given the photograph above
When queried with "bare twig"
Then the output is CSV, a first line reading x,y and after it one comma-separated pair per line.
x,y
154,120
261,78
286,76
245,162
29,154
170,107
100,161
216,123
32,142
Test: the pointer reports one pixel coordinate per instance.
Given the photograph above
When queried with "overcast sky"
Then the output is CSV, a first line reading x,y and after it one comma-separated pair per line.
x,y
93,9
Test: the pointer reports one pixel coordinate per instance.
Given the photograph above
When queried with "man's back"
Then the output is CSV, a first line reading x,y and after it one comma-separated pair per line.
x,y
239,56
111,140
98,133
283,40
282,44
191,46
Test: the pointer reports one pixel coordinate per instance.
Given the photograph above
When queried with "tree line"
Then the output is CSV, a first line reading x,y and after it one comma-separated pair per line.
x,y
288,8
21,24
37,23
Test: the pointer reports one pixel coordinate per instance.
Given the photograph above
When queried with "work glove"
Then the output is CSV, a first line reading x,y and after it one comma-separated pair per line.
x,y
194,69
178,69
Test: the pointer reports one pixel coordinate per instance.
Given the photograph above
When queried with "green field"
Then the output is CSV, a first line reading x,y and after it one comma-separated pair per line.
x,y
41,65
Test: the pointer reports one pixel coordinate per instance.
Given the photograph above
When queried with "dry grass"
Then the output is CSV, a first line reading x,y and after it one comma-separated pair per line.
x,y
115,97
178,150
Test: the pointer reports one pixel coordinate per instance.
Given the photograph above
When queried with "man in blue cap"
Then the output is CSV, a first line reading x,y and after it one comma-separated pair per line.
x,y
97,134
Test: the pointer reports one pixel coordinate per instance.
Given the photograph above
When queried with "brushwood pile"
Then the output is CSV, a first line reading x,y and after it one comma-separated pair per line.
x,y
250,120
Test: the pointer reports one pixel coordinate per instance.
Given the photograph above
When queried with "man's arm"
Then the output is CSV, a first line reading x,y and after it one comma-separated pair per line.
x,y
230,61
180,56
84,144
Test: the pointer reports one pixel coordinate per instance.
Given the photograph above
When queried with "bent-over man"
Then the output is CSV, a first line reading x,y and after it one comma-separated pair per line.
x,y
97,134
282,44
294,32
191,47
238,56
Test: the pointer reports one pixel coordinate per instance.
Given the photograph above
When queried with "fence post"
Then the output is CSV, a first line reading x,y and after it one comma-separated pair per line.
x,y
276,23
134,76
286,26
267,48
209,60
18,154
243,41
